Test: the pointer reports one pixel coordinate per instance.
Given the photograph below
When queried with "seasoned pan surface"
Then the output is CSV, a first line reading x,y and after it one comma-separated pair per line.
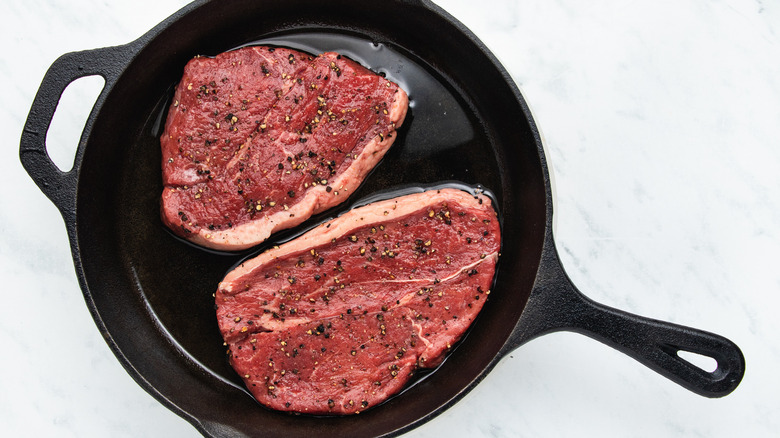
x,y
442,140
151,293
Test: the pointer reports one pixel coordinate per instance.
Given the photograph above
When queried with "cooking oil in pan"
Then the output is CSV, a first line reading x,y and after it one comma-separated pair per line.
x,y
441,144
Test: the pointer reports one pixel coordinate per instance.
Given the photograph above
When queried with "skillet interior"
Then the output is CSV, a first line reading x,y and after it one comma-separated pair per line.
x,y
151,294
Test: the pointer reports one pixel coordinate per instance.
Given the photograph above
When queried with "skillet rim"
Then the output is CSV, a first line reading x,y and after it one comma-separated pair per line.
x,y
136,49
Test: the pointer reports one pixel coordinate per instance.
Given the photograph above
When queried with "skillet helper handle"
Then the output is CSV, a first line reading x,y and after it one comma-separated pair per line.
x,y
557,305
59,186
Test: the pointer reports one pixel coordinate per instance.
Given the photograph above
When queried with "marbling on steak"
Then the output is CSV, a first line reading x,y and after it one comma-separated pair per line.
x,y
259,139
338,319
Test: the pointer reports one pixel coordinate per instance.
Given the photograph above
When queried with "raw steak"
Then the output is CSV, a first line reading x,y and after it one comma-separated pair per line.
x,y
260,138
338,319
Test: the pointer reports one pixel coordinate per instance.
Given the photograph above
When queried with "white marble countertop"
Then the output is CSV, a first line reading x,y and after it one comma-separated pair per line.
x,y
662,125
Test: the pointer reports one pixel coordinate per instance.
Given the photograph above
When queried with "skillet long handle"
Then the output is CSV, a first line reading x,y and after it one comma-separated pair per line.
x,y
59,186
557,305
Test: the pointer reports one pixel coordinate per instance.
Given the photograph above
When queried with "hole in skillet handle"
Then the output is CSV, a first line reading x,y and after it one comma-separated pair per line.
x,y
704,362
710,365
69,119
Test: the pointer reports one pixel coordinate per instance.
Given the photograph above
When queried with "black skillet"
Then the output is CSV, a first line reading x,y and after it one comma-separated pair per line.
x,y
151,294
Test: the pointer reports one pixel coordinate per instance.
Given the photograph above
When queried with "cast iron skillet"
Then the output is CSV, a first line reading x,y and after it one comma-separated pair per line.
x,y
151,294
